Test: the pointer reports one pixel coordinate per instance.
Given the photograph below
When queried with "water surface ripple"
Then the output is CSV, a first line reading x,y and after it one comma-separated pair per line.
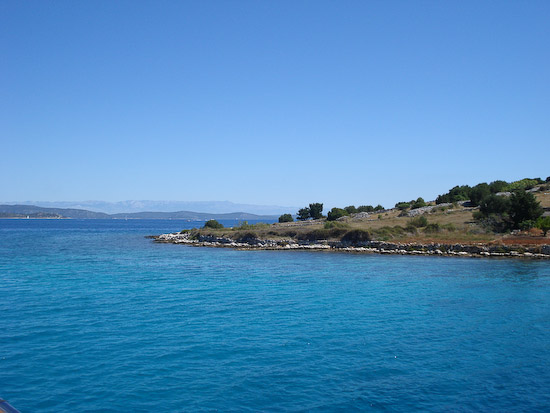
x,y
97,318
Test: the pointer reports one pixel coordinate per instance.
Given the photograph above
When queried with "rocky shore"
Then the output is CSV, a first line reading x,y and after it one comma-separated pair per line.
x,y
375,247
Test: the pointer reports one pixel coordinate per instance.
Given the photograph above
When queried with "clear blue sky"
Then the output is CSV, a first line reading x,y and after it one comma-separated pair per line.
x,y
270,102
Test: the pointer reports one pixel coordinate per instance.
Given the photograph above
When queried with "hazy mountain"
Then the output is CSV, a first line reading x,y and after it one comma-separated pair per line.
x,y
36,211
22,211
195,216
212,207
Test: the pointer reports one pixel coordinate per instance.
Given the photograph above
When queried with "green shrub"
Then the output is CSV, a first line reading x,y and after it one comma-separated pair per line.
x,y
418,222
419,203
365,208
336,213
378,208
402,205
398,230
527,224
335,224
449,227
286,218
213,224
244,225
432,228
246,236
351,209
522,184
544,224
356,236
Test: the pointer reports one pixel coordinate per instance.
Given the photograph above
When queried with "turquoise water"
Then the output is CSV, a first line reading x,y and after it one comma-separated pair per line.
x,y
94,317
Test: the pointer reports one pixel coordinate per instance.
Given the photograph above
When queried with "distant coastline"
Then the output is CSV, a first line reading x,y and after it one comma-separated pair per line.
x,y
36,212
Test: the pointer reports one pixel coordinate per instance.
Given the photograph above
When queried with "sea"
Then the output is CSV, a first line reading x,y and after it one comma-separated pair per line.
x,y
94,317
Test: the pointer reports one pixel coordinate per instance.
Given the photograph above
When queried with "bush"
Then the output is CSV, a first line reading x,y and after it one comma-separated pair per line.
x,y
449,227
527,225
246,236
336,213
432,228
544,224
378,208
522,184
419,203
402,205
365,208
387,232
418,222
286,218
356,236
351,209
213,224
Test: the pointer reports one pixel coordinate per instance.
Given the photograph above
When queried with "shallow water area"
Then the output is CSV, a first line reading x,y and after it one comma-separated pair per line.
x,y
97,318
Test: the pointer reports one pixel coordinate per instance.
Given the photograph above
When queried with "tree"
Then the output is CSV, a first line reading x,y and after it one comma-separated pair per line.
x,y
478,192
316,211
544,224
494,204
286,218
378,208
213,224
523,207
303,214
351,209
365,208
336,213
402,205
419,203
455,194
498,186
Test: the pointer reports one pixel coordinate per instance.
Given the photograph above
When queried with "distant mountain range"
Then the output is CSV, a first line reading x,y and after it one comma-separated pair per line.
x,y
33,211
211,207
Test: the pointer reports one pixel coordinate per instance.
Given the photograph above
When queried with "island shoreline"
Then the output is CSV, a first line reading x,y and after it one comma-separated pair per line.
x,y
477,250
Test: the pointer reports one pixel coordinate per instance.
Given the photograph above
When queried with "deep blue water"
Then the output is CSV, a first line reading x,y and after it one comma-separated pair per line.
x,y
94,317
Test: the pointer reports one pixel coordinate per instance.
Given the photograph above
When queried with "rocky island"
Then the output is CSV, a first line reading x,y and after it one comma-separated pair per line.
x,y
472,222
